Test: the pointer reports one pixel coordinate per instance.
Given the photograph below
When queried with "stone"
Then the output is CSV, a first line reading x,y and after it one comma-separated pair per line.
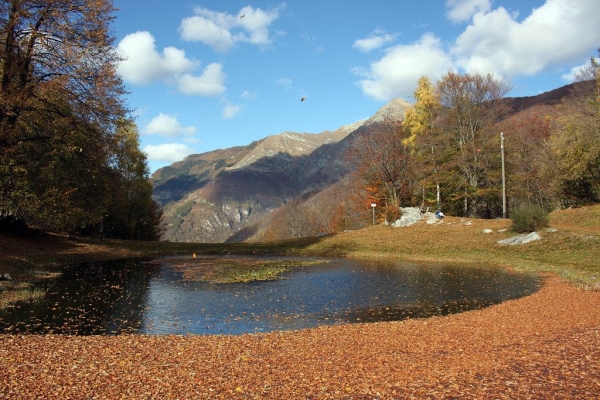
x,y
520,239
410,215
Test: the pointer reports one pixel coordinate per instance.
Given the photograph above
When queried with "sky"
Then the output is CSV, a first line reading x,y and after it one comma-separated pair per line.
x,y
212,74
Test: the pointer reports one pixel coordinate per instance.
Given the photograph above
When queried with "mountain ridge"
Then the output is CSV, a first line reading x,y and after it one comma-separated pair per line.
x,y
227,194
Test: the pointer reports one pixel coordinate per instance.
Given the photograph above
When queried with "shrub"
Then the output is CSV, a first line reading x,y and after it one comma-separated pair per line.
x,y
392,213
529,219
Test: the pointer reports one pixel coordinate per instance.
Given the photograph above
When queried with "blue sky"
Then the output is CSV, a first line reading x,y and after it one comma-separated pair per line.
x,y
206,75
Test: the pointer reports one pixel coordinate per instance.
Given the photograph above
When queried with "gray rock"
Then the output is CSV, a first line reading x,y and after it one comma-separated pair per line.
x,y
520,239
410,215
5,277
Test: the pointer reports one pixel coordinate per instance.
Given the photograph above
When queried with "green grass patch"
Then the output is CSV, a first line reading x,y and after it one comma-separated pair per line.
x,y
236,270
18,294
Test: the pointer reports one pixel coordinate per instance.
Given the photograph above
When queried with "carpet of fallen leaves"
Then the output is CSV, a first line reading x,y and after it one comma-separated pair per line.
x,y
543,346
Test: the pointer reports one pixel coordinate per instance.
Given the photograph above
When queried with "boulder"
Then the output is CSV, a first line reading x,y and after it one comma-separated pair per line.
x,y
410,215
520,239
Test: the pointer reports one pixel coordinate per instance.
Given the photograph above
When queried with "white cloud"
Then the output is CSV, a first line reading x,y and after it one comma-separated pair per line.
x,y
169,152
285,83
246,95
143,64
574,74
210,83
222,31
166,125
464,10
231,110
397,72
558,32
374,41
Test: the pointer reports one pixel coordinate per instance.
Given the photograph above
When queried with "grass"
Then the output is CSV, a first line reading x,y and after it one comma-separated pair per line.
x,y
235,270
571,251
18,293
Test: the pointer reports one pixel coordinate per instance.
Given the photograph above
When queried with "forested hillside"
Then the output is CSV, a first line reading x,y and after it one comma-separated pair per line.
x,y
445,151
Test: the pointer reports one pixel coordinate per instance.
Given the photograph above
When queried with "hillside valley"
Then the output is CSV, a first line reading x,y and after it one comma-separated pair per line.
x,y
233,194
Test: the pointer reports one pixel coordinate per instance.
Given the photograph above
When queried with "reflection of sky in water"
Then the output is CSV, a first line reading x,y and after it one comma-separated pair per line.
x,y
134,297
327,294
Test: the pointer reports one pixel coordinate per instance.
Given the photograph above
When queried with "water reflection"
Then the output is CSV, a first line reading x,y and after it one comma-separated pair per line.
x,y
135,297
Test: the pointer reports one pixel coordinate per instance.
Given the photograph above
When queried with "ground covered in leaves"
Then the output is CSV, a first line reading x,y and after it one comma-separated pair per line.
x,y
543,346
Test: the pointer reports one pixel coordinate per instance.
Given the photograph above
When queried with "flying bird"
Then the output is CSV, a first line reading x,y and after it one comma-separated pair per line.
x,y
242,16
302,99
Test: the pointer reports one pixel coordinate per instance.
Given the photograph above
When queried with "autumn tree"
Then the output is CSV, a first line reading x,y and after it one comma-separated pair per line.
x,y
384,163
575,148
423,137
527,134
131,213
61,102
471,107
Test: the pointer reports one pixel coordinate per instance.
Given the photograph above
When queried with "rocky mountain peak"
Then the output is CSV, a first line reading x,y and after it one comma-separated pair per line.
x,y
394,110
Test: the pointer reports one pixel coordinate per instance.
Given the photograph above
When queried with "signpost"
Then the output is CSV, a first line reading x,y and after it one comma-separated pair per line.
x,y
373,205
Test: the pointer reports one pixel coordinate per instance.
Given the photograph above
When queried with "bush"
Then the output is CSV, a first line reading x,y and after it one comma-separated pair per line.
x,y
529,219
392,213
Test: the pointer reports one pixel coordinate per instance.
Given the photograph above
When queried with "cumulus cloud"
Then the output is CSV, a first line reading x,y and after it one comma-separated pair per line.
x,y
464,10
222,31
210,83
375,40
558,32
168,152
143,64
397,72
166,125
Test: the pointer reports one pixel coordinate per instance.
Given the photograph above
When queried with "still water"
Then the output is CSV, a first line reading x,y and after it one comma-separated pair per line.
x,y
148,298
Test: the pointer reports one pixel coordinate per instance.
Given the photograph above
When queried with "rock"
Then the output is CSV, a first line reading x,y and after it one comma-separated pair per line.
x,y
520,239
5,277
551,230
410,215
487,231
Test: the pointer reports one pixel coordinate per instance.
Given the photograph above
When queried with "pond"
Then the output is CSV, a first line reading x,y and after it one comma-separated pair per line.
x,y
152,298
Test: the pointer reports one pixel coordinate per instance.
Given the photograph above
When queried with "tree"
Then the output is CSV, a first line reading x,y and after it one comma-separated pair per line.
x,y
527,134
384,163
576,146
132,213
60,103
420,122
471,107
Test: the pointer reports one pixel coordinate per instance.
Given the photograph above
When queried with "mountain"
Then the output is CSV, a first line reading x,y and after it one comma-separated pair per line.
x,y
236,194
212,197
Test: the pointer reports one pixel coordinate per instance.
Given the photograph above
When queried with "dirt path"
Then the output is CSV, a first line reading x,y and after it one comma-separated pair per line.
x,y
543,346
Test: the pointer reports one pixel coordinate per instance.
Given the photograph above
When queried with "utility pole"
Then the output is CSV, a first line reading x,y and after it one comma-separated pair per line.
x,y
503,176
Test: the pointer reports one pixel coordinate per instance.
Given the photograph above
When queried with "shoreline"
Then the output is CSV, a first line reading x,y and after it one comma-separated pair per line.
x,y
546,344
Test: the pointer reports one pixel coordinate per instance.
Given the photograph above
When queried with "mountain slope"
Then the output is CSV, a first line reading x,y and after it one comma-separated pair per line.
x,y
229,194
225,194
